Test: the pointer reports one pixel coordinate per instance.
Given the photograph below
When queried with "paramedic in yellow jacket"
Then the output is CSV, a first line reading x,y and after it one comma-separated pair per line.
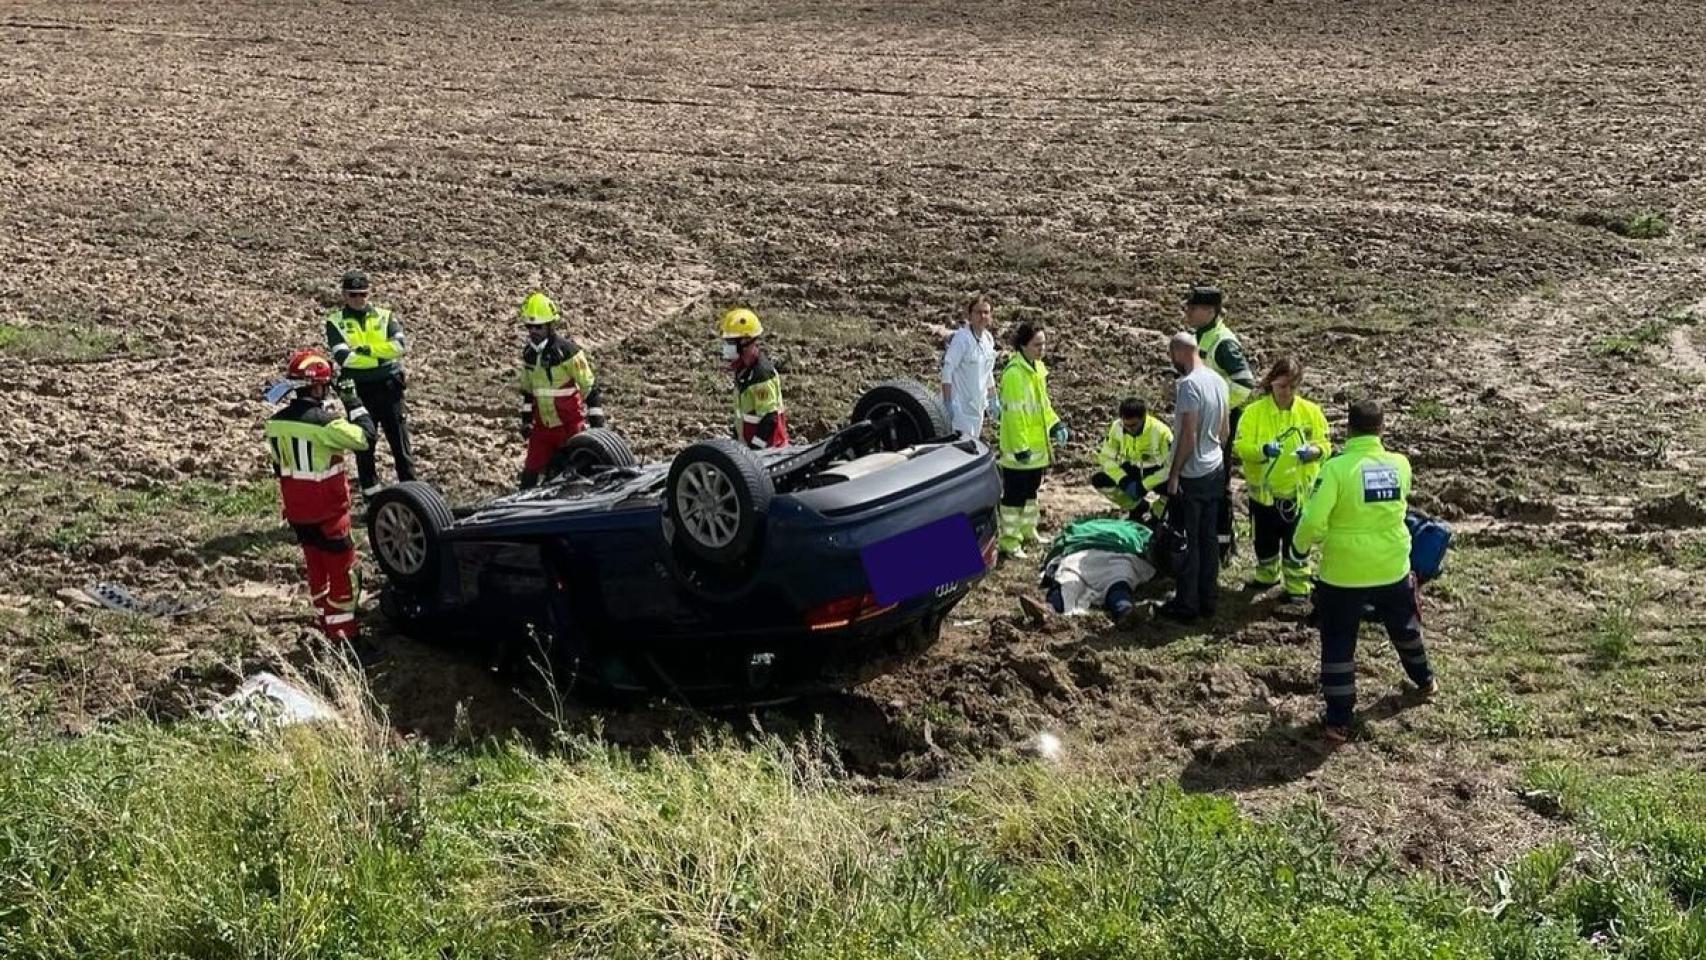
x,y
1029,432
1356,513
1133,458
1282,439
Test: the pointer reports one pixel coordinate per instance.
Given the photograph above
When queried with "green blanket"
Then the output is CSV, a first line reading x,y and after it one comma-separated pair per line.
x,y
1098,533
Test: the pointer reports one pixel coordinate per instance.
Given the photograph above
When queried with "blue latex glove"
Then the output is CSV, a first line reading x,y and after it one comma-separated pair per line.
x,y
1132,488
994,407
1271,450
1308,453
1059,434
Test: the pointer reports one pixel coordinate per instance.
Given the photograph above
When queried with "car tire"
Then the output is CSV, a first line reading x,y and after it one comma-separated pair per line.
x,y
910,413
717,496
405,529
588,451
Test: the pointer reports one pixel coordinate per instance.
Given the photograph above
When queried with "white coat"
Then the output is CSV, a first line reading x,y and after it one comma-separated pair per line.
x,y
968,368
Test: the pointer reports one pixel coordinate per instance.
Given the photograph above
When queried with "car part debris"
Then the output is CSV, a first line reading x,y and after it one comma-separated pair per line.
x,y
117,597
264,699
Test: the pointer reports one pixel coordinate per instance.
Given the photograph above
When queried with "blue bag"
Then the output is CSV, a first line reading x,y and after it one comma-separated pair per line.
x,y
1429,539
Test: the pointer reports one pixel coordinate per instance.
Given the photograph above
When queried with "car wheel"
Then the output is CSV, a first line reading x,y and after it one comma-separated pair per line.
x,y
717,496
588,451
405,528
905,412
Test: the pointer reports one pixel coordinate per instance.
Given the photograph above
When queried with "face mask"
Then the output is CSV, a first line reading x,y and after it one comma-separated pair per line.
x,y
731,351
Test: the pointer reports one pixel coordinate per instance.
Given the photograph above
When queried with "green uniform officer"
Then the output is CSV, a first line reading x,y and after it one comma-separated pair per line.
x,y
1356,513
1223,353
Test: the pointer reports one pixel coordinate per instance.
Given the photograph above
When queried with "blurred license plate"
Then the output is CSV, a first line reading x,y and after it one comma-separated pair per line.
x,y
921,559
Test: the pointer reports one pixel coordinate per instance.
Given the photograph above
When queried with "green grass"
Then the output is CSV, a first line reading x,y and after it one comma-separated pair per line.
x,y
1497,715
193,841
1430,410
59,342
1634,224
84,511
1613,636
1631,344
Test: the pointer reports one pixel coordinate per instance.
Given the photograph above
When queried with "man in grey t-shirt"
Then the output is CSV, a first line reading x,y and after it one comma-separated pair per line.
x,y
1196,483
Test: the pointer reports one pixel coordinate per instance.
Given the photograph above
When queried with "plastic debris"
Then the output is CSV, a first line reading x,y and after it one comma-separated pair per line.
x,y
265,700
119,598
1045,746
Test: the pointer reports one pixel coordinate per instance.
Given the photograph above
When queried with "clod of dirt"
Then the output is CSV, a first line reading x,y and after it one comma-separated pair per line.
x,y
1677,510
1459,497
1525,510
1044,674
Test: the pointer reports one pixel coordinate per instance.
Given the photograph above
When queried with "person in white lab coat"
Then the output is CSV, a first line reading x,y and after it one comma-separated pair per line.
x,y
968,370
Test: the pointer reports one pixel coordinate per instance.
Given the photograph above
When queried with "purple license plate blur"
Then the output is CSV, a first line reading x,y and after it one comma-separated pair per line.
x,y
922,559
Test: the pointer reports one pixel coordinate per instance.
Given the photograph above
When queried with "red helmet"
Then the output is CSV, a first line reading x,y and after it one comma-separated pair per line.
x,y
308,366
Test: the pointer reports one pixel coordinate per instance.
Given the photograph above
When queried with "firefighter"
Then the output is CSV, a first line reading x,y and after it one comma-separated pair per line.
x,y
1356,513
1221,351
307,441
1029,431
367,344
760,419
1133,459
559,395
1280,443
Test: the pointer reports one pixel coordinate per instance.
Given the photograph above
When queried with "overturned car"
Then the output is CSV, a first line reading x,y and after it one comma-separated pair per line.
x,y
725,575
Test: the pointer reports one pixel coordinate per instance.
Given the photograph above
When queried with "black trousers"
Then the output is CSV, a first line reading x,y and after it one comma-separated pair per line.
x,y
1195,515
384,400
1019,487
1397,607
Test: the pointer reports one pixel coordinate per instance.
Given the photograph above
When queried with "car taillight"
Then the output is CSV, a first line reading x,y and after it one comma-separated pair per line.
x,y
989,554
845,610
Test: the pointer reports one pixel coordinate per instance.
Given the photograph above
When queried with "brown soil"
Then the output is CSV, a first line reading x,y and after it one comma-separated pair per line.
x,y
1404,194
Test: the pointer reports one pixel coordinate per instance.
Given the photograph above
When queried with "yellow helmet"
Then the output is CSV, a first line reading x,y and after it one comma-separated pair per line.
x,y
740,322
538,309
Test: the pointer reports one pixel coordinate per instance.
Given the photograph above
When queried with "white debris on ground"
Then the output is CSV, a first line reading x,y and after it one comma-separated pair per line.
x,y
265,700
1045,746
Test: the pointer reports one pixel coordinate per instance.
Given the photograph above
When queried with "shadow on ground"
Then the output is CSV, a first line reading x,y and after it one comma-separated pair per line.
x,y
1281,753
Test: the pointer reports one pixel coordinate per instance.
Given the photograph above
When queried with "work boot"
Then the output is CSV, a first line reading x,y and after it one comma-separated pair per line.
x,y
1035,610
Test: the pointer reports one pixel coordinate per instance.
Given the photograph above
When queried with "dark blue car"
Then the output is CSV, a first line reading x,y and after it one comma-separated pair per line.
x,y
726,575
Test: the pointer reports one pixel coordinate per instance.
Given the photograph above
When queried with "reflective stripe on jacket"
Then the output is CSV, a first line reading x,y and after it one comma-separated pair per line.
x,y
1224,354
1286,477
306,442
1026,414
557,383
1150,447
760,419
1356,513
348,330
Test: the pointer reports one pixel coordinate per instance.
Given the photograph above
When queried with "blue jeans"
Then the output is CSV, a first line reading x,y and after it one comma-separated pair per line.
x,y
1117,601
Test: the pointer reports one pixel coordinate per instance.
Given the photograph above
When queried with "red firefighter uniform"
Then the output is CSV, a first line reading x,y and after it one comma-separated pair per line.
x,y
307,441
